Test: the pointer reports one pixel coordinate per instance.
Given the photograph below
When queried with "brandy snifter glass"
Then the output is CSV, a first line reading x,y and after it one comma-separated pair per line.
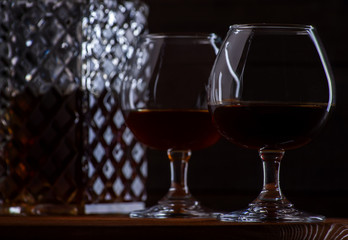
x,y
164,101
271,89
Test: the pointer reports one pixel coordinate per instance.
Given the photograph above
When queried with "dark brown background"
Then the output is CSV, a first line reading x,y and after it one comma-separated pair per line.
x,y
227,177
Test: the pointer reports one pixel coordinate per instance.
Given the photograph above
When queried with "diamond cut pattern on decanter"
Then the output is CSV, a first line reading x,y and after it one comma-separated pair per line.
x,y
118,152
136,186
127,170
44,150
48,45
118,119
98,152
118,187
108,135
109,36
138,152
108,169
127,136
98,186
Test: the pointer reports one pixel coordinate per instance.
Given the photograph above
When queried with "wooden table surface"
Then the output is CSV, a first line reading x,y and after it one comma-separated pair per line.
x,y
122,227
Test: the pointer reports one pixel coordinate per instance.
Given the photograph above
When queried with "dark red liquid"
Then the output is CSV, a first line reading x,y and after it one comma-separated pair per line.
x,y
173,128
277,126
45,147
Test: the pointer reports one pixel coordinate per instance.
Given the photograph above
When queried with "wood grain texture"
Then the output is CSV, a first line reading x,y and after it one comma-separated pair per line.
x,y
122,227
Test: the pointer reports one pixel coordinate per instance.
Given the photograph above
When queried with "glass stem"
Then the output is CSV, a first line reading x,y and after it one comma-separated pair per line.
x,y
178,170
271,165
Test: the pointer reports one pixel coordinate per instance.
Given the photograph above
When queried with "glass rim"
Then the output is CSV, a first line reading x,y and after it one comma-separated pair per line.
x,y
275,26
180,35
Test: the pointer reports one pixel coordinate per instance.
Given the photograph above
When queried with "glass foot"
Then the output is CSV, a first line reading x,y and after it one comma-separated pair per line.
x,y
270,213
175,209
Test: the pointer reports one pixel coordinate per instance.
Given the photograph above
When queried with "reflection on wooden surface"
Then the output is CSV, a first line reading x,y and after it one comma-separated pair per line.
x,y
325,231
121,227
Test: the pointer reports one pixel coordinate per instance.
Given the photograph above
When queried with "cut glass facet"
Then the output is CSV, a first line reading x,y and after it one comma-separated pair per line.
x,y
109,37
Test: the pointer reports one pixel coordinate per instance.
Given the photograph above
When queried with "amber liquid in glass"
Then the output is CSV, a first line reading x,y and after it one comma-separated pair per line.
x,y
269,125
180,129
43,154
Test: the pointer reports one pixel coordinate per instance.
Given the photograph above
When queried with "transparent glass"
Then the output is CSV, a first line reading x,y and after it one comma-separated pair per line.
x,y
40,108
117,164
271,89
163,99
